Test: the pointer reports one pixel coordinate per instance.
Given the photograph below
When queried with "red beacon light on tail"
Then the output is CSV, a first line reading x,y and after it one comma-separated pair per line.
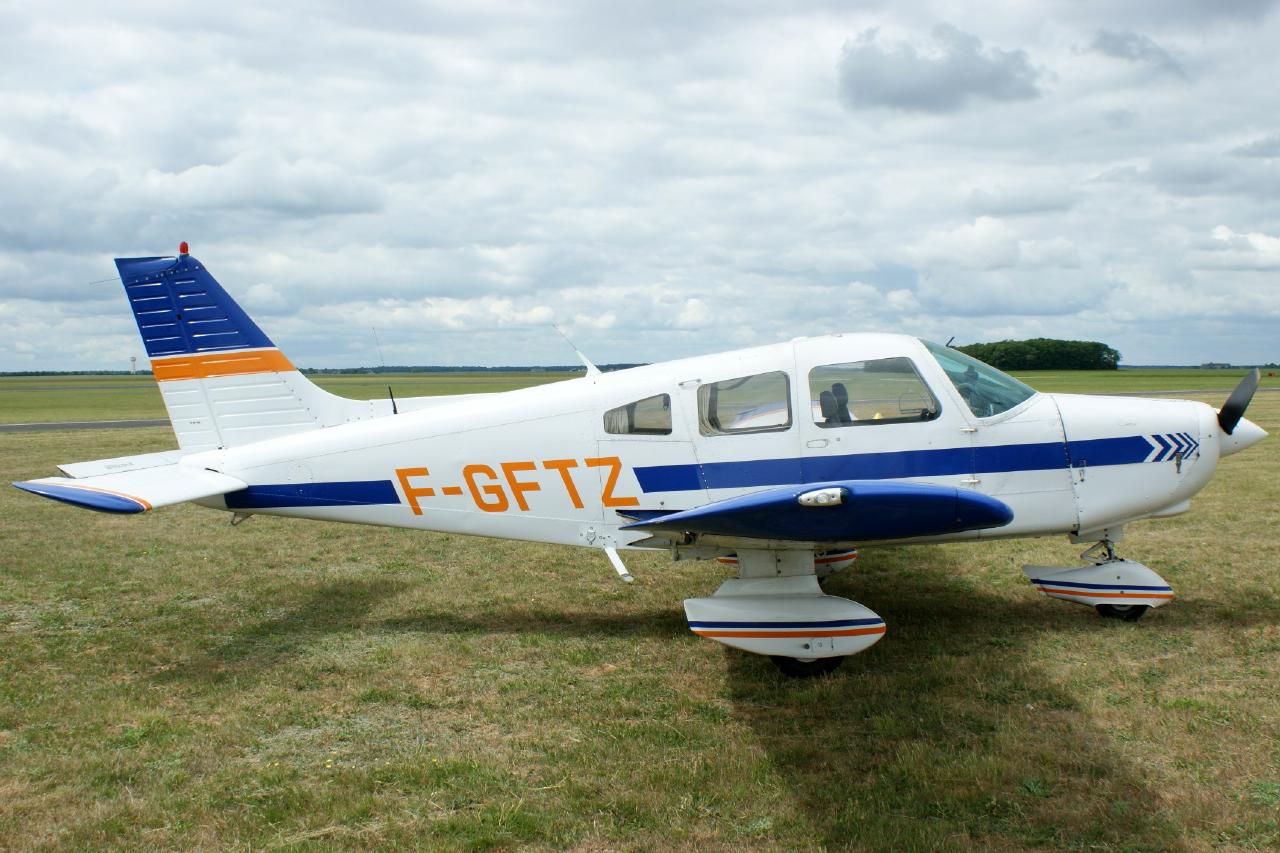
x,y
182,248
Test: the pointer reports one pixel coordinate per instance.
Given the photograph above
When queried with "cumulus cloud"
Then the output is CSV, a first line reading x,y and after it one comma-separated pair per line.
x,y
263,297
1120,118
1020,200
988,243
441,313
1267,147
261,180
1199,173
976,297
1229,249
1136,48
954,69
693,314
660,182
1191,14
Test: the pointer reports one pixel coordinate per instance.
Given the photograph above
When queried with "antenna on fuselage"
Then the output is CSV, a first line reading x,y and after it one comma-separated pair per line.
x,y
949,340
392,395
592,370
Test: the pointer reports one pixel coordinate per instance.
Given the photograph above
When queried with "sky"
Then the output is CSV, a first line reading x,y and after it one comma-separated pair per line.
x,y
440,183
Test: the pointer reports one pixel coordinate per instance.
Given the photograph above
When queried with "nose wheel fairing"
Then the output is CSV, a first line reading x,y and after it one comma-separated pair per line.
x,y
1113,587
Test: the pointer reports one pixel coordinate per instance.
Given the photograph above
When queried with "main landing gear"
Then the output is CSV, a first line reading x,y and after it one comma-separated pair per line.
x,y
1113,586
776,608
799,668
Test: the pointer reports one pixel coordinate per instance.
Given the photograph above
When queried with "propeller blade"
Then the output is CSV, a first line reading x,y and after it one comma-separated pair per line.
x,y
1233,410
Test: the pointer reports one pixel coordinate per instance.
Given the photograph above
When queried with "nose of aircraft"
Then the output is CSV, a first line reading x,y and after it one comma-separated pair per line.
x,y
1245,435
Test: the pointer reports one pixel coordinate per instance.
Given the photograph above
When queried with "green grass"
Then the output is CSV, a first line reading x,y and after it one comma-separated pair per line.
x,y
27,399
174,682
88,397
1185,379
47,399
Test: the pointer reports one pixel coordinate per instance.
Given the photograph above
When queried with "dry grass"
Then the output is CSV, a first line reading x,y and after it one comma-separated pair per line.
x,y
174,682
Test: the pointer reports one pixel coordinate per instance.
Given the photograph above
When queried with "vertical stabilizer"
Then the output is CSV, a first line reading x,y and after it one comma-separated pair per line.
x,y
223,381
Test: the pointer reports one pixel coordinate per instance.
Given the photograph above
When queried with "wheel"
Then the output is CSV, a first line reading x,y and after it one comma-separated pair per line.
x,y
1127,612
797,668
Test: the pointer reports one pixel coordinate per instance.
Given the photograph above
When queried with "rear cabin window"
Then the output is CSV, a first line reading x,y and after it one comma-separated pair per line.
x,y
650,416
878,391
759,403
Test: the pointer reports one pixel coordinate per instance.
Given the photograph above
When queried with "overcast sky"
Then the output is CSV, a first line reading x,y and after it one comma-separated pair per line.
x,y
660,179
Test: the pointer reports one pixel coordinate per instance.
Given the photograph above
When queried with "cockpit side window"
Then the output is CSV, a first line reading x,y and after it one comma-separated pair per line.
x,y
985,390
650,416
759,403
878,391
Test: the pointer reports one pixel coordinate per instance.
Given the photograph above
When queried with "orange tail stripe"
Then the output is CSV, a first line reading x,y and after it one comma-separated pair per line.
x,y
1089,593
220,364
847,632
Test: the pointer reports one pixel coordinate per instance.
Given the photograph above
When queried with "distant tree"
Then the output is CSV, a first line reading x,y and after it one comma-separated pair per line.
x,y
1045,354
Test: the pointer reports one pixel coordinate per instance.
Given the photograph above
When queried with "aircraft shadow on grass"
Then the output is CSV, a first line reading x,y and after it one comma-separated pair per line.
x,y
945,732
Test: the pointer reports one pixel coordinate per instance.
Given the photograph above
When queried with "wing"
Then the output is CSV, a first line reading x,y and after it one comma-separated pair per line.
x,y
840,511
133,491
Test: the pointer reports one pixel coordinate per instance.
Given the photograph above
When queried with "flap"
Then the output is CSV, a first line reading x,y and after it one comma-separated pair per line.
x,y
135,491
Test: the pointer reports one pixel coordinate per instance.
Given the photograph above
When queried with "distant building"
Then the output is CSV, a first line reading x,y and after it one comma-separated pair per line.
x,y
1215,365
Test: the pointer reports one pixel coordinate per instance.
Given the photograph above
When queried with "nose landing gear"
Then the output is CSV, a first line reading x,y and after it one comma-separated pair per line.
x,y
1115,587
1124,612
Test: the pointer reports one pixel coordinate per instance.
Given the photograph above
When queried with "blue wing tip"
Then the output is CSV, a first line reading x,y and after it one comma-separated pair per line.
x,y
83,497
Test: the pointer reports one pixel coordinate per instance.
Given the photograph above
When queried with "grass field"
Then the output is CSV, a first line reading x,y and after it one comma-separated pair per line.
x,y
38,399
174,682
47,399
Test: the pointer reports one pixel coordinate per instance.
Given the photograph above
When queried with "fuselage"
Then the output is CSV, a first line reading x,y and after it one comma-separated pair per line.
x,y
565,462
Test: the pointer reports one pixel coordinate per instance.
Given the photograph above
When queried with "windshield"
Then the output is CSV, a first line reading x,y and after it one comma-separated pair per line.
x,y
986,390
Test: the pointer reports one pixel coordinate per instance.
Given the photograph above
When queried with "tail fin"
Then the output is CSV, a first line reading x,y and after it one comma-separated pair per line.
x,y
223,381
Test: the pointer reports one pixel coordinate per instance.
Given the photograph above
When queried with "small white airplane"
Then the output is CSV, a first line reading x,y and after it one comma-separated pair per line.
x,y
778,459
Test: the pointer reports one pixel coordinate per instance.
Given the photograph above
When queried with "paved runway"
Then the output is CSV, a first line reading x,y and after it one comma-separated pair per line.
x,y
50,427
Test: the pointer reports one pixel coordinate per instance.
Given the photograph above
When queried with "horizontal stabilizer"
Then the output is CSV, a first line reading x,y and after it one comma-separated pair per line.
x,y
134,491
843,511
121,463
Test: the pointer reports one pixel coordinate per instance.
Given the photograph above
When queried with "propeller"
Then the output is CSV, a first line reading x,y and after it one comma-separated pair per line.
x,y
1233,410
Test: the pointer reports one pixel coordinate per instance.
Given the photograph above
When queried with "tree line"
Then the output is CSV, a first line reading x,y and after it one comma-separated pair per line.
x,y
1045,354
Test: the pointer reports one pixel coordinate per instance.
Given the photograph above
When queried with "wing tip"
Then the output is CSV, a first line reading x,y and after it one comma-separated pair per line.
x,y
85,497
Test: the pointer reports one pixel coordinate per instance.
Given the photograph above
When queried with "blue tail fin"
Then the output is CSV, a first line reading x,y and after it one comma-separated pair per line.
x,y
223,381
181,309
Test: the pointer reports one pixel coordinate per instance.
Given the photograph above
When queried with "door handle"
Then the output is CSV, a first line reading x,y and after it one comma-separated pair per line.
x,y
816,442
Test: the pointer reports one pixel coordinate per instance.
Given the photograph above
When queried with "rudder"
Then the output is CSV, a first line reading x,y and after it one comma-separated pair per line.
x,y
223,381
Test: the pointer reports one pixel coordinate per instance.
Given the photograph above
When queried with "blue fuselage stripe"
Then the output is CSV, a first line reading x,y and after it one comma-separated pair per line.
x,y
893,465
356,493
763,472
1120,586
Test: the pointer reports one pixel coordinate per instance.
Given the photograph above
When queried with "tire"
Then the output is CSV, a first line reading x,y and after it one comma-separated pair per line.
x,y
796,668
1124,612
